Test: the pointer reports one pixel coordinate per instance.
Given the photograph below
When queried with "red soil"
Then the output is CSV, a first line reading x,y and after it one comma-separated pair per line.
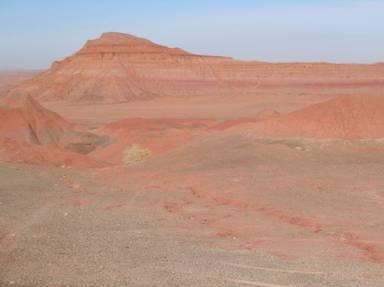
x,y
233,187
32,134
228,210
346,117
21,152
263,115
157,135
23,118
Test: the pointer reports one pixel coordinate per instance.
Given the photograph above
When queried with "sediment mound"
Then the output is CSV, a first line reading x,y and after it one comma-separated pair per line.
x,y
262,115
345,117
32,134
24,119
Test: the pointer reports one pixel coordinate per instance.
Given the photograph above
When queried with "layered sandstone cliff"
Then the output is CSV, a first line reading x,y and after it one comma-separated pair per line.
x,y
120,68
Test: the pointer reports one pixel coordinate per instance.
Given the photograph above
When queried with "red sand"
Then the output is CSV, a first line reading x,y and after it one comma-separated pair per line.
x,y
21,152
346,117
266,215
157,135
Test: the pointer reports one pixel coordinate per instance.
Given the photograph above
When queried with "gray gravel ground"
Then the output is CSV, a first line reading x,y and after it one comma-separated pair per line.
x,y
52,234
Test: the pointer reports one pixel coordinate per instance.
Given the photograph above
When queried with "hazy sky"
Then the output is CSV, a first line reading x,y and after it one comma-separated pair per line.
x,y
36,32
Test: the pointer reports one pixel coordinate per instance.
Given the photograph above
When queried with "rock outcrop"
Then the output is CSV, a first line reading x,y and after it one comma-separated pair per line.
x,y
24,119
121,68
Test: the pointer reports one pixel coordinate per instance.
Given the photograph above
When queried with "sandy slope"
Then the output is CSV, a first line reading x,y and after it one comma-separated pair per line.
x,y
30,133
346,117
224,212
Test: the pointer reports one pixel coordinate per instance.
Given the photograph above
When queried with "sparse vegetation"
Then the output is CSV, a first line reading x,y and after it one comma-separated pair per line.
x,y
135,154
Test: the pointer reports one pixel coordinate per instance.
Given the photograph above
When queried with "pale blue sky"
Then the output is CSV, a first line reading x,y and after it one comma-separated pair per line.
x,y
36,32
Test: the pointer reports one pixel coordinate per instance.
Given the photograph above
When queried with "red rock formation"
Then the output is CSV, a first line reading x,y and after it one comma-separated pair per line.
x,y
120,68
25,120
346,117
32,134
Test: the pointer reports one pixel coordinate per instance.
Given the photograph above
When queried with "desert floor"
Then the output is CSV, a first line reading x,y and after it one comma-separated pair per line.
x,y
252,213
215,208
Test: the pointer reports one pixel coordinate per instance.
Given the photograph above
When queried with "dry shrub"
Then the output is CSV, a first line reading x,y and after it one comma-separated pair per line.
x,y
135,154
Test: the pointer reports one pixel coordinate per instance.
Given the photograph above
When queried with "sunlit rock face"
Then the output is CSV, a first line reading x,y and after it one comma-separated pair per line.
x,y
121,68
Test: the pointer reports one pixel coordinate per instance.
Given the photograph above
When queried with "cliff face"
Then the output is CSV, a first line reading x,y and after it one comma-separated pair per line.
x,y
120,68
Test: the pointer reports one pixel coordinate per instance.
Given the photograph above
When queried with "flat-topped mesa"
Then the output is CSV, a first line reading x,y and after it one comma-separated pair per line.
x,y
119,67
120,43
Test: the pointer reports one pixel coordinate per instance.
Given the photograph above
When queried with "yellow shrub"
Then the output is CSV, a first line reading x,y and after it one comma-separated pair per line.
x,y
135,154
